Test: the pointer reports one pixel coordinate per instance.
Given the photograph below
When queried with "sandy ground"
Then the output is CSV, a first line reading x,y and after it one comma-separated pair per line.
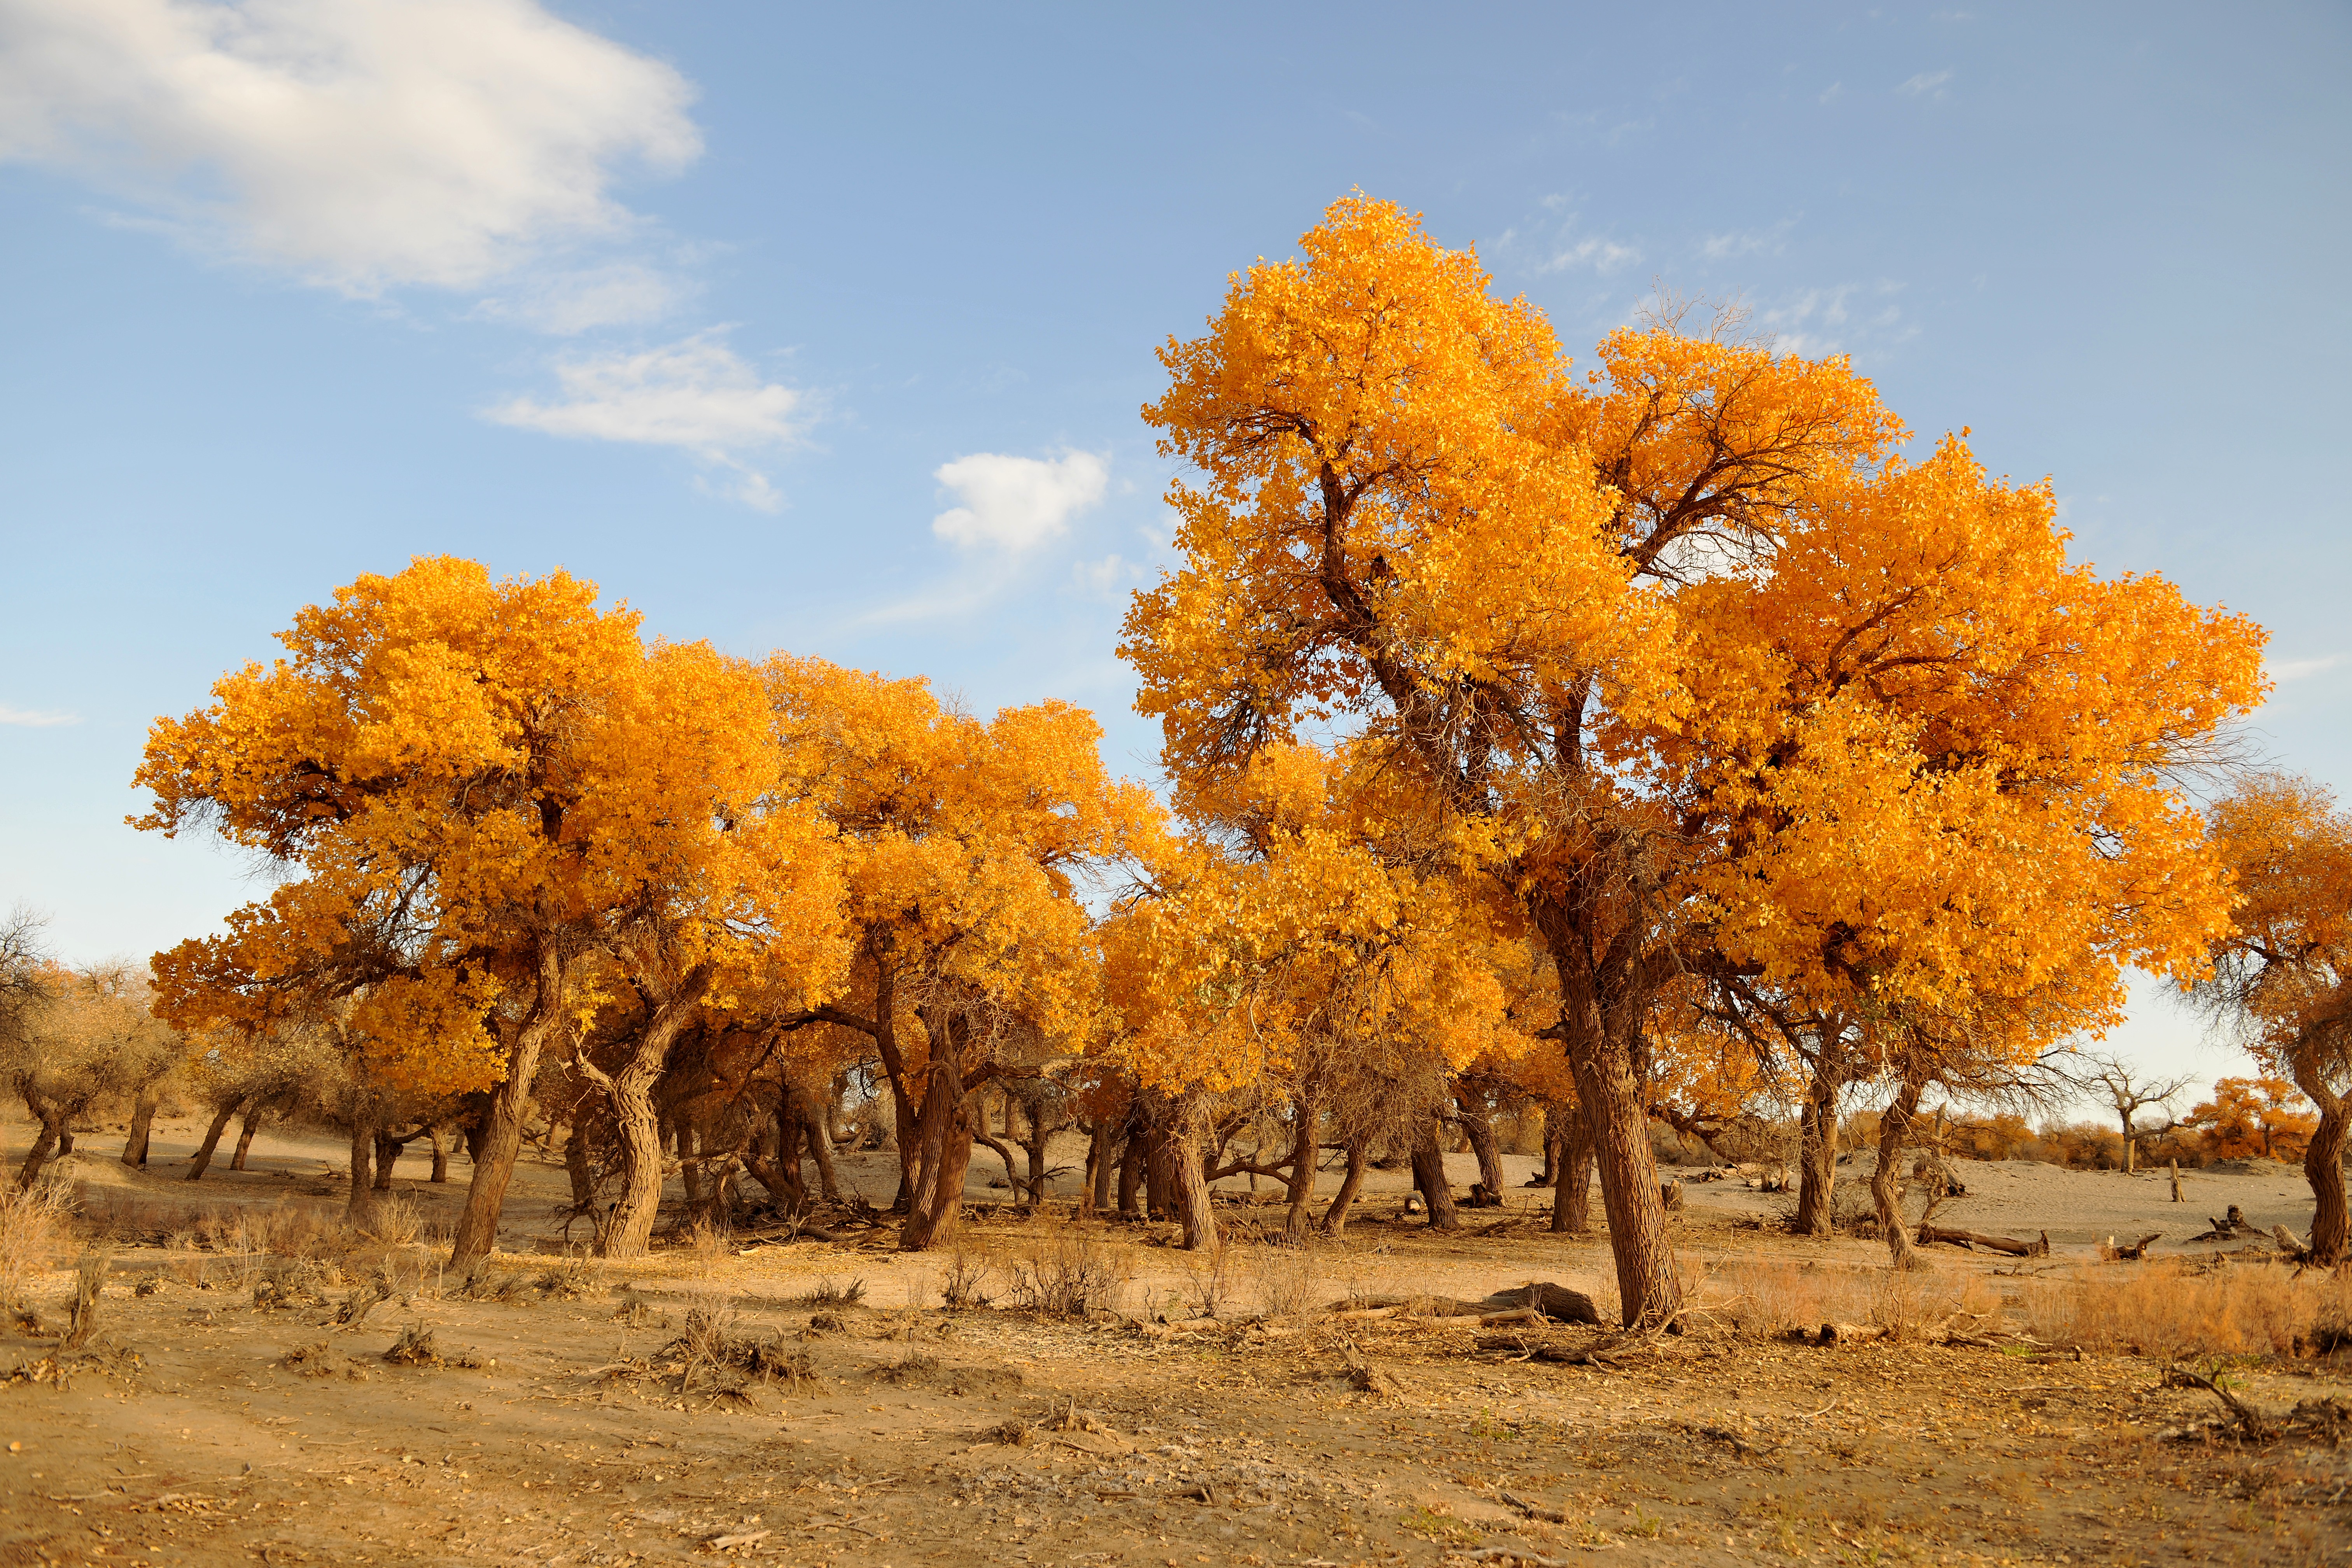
x,y
561,1424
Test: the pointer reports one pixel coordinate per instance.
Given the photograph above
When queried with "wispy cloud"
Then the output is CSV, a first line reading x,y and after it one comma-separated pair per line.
x,y
1926,84
1014,503
623,293
1748,242
37,718
1843,319
1107,578
694,394
2288,670
360,145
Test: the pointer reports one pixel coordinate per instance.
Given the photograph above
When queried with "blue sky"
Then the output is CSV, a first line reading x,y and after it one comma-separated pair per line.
x,y
826,328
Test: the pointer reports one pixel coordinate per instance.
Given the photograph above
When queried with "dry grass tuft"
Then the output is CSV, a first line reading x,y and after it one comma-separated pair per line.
x,y
1288,1279
833,1293
394,1222
963,1276
1069,1276
1210,1280
34,1222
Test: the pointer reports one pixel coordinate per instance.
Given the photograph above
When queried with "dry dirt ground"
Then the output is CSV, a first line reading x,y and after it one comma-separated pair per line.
x,y
559,1418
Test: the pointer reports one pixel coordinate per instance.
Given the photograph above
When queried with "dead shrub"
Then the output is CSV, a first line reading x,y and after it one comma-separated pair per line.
x,y
2167,1308
1209,1276
1066,1277
81,1318
34,1222
413,1348
1288,1279
963,1276
393,1222
833,1293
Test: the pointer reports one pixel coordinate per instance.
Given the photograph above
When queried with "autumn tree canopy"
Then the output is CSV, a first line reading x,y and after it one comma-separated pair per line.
x,y
1706,676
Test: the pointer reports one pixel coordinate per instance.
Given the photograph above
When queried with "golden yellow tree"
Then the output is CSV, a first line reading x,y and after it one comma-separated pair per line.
x,y
2282,973
471,785
1581,610
965,845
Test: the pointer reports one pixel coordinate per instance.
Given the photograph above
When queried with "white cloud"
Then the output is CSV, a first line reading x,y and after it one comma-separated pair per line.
x,y
1925,83
564,303
36,718
695,394
1602,256
1012,503
1748,242
2301,669
360,143
1103,579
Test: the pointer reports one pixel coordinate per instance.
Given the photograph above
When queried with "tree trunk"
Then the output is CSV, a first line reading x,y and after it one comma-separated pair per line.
x,y
1335,1219
1817,1156
1480,1130
813,1116
1132,1154
251,1125
1571,1192
1191,1181
576,1166
359,1209
44,1145
631,1090
1159,1170
387,1155
498,1138
947,1137
1555,1136
203,1155
66,1139
1429,1176
142,1119
2323,1167
1100,1166
440,1154
1886,1181
689,1147
1306,1154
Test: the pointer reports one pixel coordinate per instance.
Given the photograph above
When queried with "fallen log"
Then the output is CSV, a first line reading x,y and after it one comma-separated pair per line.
x,y
1973,1239
1556,1303
1850,1333
2133,1253
2297,1252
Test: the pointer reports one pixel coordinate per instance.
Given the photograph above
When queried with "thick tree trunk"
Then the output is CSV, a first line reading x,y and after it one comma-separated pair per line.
x,y
440,1154
142,1121
498,1138
2323,1167
1886,1181
820,1147
203,1155
1335,1219
359,1209
1571,1192
1306,1154
1097,1195
45,1146
947,1138
1480,1130
1186,1153
576,1167
246,1130
387,1155
1649,1284
1555,1137
631,1090
1817,1156
1132,1154
1429,1177
688,1146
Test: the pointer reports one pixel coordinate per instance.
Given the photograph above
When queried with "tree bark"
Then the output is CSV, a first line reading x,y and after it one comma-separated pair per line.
x,y
1886,1181
937,1207
2323,1166
1817,1156
440,1154
359,1209
1306,1154
1571,1192
576,1166
1099,1168
142,1121
1131,1157
1335,1219
1480,1130
1429,1177
815,1114
251,1125
44,1147
1192,1204
498,1138
388,1151
202,1161
631,1091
